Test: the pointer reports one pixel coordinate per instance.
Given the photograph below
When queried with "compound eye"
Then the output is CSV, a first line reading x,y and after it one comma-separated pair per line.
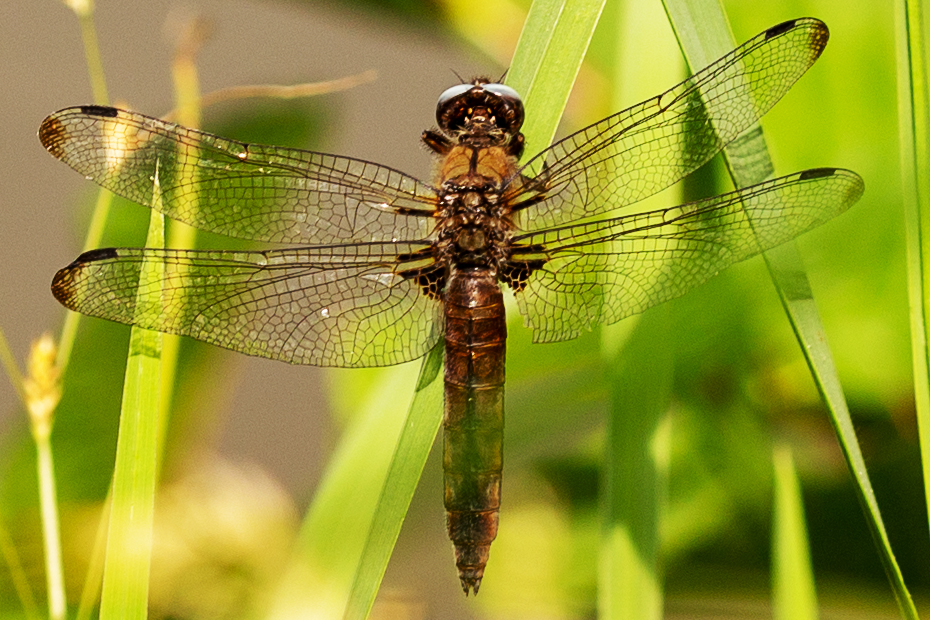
x,y
457,102
502,90
512,104
452,92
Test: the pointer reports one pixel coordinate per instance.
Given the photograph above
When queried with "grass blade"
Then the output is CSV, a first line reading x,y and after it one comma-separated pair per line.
x,y
552,45
701,27
634,491
636,468
129,539
914,132
341,553
413,448
187,98
793,593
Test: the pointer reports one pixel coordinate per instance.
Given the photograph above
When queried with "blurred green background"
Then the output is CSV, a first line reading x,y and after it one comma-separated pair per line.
x,y
249,438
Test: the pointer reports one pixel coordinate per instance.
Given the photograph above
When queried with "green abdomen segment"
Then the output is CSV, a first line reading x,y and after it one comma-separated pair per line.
x,y
473,434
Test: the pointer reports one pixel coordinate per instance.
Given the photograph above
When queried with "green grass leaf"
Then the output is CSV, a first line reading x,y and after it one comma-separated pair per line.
x,y
129,539
703,33
914,132
635,472
552,45
350,530
413,448
793,592
637,356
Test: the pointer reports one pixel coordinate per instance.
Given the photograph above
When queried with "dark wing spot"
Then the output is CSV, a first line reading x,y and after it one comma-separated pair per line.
x,y
516,273
62,283
100,110
780,29
61,286
817,173
93,255
51,135
431,279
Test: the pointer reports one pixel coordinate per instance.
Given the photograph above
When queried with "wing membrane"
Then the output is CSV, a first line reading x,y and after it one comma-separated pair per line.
x,y
249,191
604,271
637,152
325,306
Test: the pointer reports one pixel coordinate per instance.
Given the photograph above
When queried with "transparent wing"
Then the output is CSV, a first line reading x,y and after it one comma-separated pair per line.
x,y
249,191
648,147
326,306
604,271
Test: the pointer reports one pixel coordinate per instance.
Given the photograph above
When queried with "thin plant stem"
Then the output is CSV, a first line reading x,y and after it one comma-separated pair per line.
x,y
18,576
42,395
84,11
90,594
276,91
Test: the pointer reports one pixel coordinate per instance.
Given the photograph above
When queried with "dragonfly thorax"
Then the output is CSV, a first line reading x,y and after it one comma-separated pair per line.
x,y
472,229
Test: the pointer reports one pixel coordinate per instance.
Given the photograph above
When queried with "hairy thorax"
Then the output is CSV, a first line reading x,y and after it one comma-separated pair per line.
x,y
473,222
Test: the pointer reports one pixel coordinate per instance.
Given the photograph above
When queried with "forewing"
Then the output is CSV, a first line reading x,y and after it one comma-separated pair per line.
x,y
249,191
604,271
325,306
650,146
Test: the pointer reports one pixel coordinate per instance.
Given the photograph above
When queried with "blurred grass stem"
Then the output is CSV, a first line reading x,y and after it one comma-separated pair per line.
x,y
83,9
914,134
43,392
18,576
793,593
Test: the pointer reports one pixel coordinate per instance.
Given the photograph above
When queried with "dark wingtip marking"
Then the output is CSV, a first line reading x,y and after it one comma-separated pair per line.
x,y
780,29
61,286
817,27
64,278
99,110
52,132
51,135
817,173
818,32
95,255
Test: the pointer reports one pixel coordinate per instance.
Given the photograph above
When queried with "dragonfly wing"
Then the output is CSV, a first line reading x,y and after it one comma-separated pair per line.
x,y
642,150
604,271
249,191
326,306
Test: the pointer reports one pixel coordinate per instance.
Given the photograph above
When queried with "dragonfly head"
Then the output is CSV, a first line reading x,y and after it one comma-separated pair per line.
x,y
480,104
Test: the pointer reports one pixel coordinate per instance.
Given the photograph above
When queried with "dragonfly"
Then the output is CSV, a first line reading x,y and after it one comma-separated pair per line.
x,y
378,267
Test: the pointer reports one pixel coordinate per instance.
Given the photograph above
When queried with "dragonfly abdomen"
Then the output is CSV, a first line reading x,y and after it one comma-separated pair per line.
x,y
473,435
